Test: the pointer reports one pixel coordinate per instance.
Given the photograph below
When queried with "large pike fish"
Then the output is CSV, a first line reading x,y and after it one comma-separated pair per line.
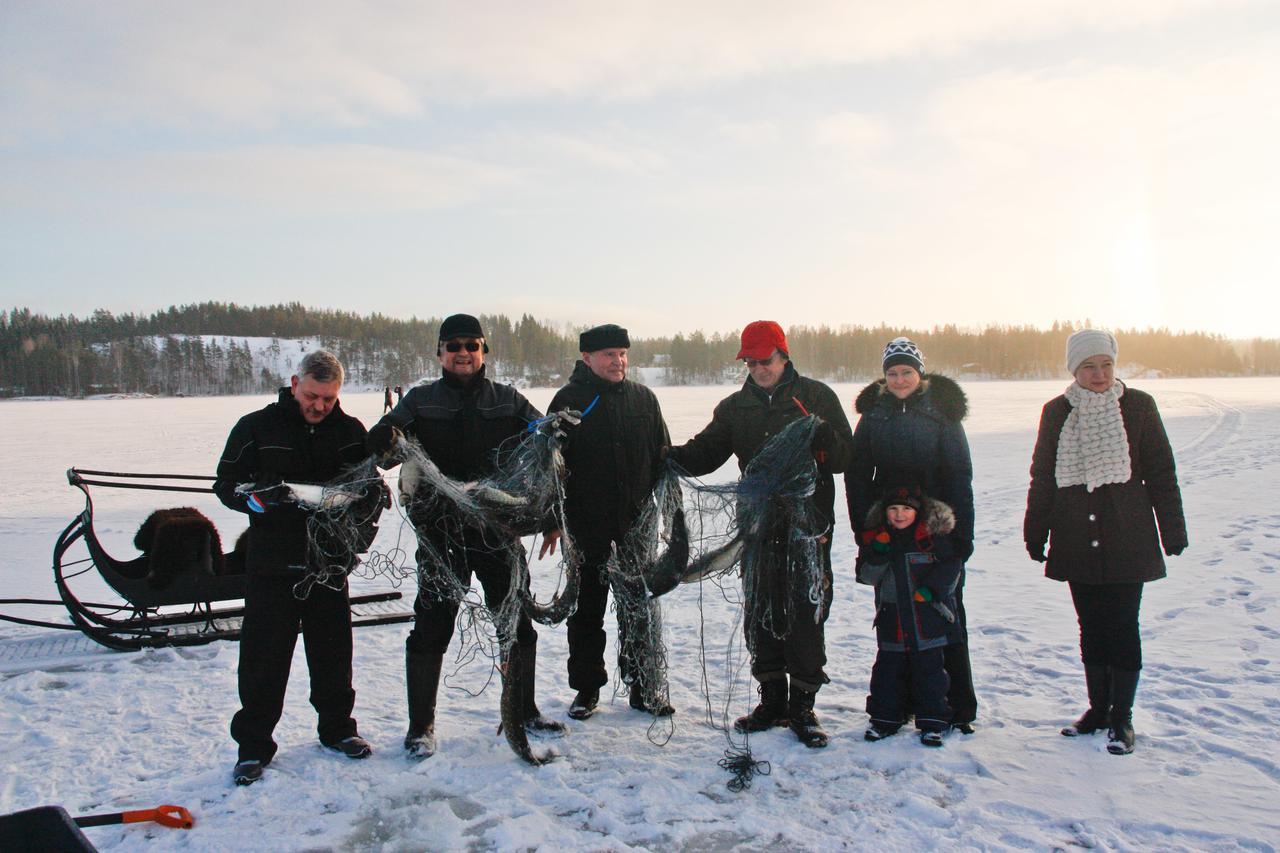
x,y
668,570
512,709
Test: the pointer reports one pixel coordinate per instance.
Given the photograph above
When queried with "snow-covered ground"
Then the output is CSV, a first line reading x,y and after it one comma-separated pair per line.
x,y
99,731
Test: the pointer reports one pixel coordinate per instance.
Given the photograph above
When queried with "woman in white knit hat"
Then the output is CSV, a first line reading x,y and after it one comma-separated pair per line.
x,y
1102,479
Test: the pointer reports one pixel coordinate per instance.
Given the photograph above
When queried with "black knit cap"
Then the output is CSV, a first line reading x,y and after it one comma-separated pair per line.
x,y
460,326
903,494
607,336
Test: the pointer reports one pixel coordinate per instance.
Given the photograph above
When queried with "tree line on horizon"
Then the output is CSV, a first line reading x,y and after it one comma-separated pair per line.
x,y
165,353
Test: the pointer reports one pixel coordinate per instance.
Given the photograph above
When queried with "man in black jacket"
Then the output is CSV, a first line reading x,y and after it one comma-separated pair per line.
x,y
463,421
304,437
613,458
773,396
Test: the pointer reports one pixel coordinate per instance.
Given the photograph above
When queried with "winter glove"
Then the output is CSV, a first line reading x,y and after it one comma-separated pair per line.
x,y
877,544
823,437
259,498
381,439
963,549
1173,549
923,594
559,424
1036,552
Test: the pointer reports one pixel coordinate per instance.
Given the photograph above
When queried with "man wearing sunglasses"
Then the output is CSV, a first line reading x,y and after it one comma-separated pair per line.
x,y
461,420
613,458
774,395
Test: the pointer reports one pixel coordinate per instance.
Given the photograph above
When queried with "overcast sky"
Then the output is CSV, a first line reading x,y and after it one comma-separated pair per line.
x,y
664,166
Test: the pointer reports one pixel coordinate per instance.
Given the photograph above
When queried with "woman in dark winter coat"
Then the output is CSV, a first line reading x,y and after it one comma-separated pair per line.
x,y
906,553
1102,478
909,430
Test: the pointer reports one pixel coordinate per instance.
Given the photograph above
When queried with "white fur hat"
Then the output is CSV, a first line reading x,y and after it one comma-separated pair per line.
x,y
1089,342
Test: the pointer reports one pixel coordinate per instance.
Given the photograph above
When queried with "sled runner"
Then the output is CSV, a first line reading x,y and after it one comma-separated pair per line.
x,y
183,570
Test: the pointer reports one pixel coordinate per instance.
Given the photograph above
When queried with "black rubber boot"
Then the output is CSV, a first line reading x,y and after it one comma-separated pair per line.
x,y
584,703
802,719
1097,679
1124,686
772,710
534,722
422,676
656,705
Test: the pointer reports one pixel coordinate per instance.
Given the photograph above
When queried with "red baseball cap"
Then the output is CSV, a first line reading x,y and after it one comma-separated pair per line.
x,y
760,339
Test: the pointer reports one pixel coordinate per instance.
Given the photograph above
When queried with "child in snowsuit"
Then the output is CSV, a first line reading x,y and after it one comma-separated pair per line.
x,y
906,553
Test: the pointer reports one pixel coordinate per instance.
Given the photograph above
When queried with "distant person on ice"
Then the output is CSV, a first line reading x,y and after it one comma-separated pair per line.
x,y
905,552
613,459
303,437
774,395
461,420
1102,479
386,398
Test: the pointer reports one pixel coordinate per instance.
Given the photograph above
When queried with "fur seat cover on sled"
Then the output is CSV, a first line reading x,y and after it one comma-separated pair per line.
x,y
177,541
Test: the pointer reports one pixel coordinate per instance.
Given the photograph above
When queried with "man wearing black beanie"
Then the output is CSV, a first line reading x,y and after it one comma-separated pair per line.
x,y
460,420
613,459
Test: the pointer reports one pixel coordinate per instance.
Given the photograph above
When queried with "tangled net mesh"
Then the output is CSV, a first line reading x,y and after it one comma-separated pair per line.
x,y
764,525
524,495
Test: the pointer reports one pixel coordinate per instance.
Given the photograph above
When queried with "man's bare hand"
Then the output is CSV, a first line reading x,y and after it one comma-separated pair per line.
x,y
549,541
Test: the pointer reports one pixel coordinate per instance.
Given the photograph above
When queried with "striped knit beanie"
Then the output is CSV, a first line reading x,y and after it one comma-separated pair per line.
x,y
903,351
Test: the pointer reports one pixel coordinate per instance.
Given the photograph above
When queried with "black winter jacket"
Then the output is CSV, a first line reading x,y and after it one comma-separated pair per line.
x,y
1107,535
918,440
744,420
276,444
464,427
613,457
921,556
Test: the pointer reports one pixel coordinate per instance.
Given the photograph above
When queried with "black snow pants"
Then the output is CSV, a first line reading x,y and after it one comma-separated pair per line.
x,y
268,637
467,553
914,680
586,634
1108,616
801,650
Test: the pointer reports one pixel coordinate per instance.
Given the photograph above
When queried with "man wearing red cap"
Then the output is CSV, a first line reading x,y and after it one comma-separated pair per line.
x,y
773,396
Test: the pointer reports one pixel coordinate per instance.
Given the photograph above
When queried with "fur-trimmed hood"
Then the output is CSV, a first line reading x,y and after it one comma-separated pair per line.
x,y
939,518
944,393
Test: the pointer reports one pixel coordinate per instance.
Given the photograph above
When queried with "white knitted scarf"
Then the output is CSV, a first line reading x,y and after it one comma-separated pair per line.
x,y
1093,448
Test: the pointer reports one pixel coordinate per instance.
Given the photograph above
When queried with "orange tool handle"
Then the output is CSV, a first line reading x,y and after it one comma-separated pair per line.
x,y
176,817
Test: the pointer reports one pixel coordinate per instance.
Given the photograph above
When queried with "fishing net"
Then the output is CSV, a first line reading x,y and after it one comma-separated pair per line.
x,y
766,526
642,650
448,520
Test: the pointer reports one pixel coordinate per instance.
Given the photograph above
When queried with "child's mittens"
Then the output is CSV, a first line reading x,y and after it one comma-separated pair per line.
x,y
880,543
924,594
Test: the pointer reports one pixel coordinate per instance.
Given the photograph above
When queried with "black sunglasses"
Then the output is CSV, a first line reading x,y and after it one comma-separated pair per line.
x,y
459,346
756,362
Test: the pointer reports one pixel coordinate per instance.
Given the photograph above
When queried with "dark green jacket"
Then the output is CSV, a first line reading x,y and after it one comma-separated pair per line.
x,y
748,417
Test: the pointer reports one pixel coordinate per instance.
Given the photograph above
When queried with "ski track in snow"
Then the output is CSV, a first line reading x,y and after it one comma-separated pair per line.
x,y
100,731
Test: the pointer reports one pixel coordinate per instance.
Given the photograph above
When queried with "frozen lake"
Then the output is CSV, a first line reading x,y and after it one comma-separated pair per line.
x,y
104,731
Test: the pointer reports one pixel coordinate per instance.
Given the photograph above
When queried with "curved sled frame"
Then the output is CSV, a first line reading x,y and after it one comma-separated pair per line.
x,y
138,622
